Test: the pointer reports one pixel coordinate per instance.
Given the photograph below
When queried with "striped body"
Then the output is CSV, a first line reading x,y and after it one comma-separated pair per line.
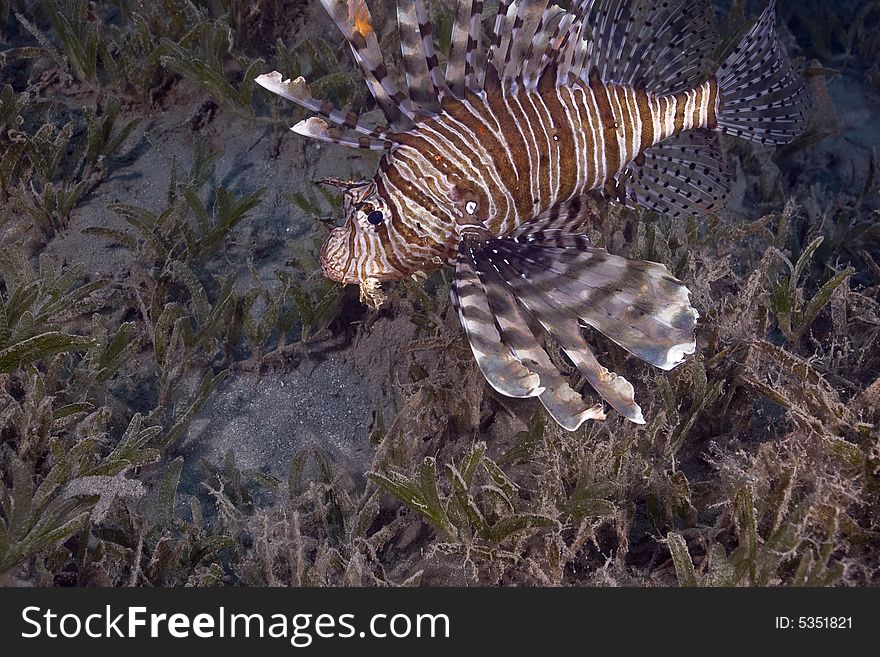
x,y
503,157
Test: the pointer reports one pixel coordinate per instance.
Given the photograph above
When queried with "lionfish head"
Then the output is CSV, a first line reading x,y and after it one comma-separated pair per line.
x,y
361,250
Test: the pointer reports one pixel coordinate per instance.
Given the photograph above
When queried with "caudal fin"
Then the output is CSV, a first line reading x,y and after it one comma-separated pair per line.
x,y
762,98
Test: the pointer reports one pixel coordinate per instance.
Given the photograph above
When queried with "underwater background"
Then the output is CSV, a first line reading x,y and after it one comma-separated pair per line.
x,y
185,400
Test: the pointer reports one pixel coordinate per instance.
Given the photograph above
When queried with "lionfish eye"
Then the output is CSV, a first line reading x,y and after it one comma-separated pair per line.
x,y
376,217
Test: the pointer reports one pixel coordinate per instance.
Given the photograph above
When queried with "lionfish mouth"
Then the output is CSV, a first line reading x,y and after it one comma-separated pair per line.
x,y
370,287
330,262
330,271
339,265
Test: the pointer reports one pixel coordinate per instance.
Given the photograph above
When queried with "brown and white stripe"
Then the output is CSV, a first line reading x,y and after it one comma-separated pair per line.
x,y
490,161
516,155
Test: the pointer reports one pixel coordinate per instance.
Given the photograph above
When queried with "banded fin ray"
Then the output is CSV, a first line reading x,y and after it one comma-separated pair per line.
x,y
417,50
498,364
426,29
566,50
299,92
517,41
495,56
637,304
354,20
612,387
563,328
545,32
465,48
550,275
317,128
552,54
563,404
570,216
509,315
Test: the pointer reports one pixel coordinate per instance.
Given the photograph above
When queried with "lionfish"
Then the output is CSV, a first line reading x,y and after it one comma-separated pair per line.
x,y
487,165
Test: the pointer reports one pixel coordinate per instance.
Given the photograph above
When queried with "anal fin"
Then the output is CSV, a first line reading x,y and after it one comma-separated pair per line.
x,y
571,217
683,175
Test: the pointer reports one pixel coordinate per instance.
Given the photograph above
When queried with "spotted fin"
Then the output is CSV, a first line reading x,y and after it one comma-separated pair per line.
x,y
762,98
664,47
683,175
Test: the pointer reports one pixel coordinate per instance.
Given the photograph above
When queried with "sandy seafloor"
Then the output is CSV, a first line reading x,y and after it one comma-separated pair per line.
x,y
328,396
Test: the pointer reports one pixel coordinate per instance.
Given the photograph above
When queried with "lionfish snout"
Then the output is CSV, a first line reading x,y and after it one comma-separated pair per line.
x,y
350,256
334,260
339,263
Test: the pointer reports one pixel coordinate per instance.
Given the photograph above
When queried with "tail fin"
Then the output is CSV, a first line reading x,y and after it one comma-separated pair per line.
x,y
761,98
